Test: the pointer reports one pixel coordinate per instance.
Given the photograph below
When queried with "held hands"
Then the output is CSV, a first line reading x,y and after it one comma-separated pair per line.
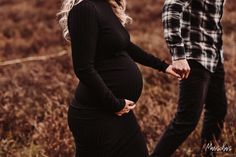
x,y
170,70
129,105
179,69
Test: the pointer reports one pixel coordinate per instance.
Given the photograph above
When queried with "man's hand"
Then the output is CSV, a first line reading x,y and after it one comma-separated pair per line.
x,y
169,70
182,68
129,105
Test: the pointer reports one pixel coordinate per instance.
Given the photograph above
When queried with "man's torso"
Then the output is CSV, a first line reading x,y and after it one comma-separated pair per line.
x,y
202,31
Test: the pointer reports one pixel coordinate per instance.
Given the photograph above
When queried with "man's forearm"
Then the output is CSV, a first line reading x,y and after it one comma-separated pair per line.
x,y
171,18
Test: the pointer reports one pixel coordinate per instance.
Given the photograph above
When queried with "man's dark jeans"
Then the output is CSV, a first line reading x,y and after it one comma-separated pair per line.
x,y
202,87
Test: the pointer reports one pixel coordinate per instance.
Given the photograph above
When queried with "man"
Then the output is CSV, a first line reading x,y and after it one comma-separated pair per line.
x,y
193,33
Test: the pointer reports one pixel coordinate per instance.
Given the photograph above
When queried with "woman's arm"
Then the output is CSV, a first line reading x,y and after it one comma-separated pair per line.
x,y
83,29
144,58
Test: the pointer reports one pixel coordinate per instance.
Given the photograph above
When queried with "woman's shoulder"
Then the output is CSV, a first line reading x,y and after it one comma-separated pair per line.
x,y
85,7
91,5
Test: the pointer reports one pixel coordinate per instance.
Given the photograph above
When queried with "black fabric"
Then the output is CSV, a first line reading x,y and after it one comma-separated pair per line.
x,y
201,87
103,134
103,57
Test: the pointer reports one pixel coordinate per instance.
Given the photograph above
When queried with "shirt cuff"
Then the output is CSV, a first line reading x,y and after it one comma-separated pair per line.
x,y
178,52
164,66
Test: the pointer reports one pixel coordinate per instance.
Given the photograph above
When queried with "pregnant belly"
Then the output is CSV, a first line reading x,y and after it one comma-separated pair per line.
x,y
122,76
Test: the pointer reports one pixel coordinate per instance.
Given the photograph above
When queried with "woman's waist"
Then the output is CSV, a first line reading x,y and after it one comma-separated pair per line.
x,y
110,55
115,63
124,87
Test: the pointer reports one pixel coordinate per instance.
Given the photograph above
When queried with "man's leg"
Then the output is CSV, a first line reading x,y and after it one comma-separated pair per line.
x,y
191,99
215,108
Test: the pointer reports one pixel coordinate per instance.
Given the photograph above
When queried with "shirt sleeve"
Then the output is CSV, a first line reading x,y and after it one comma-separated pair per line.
x,y
171,18
83,30
145,58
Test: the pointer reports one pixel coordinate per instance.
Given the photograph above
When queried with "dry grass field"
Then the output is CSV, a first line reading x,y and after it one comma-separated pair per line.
x,y
34,96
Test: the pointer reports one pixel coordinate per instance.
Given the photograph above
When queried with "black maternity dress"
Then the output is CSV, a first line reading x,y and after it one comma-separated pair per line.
x,y
103,60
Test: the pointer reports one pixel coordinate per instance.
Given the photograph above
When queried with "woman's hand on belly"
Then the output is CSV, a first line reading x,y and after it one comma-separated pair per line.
x,y
129,105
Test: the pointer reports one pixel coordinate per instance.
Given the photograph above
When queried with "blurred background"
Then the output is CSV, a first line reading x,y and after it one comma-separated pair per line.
x,y
35,93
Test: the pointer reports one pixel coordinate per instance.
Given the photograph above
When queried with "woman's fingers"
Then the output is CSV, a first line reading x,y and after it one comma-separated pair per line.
x,y
129,105
127,102
170,70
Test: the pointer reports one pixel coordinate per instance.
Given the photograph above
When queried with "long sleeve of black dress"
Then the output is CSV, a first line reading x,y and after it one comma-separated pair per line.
x,y
83,33
145,58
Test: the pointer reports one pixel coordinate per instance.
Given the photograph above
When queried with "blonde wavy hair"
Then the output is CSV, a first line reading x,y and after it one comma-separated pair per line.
x,y
118,6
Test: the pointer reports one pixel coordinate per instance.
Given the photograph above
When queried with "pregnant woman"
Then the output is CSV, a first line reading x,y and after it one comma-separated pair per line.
x,y
100,116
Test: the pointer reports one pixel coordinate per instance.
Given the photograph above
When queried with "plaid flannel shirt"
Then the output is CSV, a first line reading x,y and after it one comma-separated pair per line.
x,y
192,29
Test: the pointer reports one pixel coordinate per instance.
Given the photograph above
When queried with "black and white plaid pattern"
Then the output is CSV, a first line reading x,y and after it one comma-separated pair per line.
x,y
193,30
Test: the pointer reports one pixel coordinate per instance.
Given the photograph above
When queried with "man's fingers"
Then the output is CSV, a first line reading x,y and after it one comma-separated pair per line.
x,y
172,72
183,72
182,68
183,75
179,70
176,75
188,72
